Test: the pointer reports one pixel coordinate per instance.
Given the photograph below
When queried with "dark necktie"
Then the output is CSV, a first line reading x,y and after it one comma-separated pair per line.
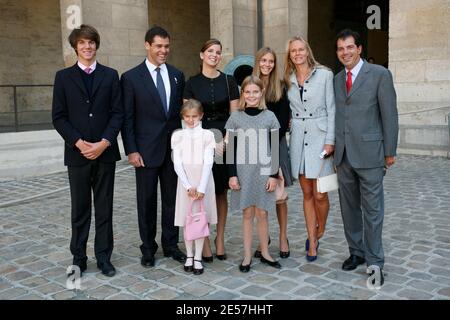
x,y
161,88
349,81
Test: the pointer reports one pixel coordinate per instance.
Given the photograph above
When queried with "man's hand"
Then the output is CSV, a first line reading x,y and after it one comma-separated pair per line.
x,y
233,182
271,184
389,160
94,150
135,160
82,145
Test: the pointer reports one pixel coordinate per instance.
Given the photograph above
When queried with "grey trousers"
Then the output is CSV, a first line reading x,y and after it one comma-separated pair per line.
x,y
362,206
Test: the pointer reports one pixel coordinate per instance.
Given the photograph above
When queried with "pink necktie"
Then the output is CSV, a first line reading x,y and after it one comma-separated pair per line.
x,y
87,70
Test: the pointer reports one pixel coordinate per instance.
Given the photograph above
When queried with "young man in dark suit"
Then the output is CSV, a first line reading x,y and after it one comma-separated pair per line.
x,y
152,95
87,112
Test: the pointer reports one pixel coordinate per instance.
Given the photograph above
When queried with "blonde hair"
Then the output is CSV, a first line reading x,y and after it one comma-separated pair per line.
x,y
275,86
248,81
191,104
289,66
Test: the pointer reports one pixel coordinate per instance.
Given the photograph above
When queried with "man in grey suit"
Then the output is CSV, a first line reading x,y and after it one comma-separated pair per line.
x,y
366,143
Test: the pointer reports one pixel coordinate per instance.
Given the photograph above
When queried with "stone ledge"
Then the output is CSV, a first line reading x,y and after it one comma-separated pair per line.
x,y
32,153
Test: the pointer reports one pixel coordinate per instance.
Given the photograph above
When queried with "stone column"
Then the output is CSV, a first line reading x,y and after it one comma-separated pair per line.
x,y
221,19
283,19
419,57
121,24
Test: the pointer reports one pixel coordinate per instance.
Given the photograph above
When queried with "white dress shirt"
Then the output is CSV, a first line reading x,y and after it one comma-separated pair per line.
x,y
164,74
355,70
92,66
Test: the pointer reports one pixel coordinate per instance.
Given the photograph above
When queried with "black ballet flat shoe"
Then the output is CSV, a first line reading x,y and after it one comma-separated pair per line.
x,y
221,256
207,259
258,253
198,271
274,264
285,254
245,268
189,268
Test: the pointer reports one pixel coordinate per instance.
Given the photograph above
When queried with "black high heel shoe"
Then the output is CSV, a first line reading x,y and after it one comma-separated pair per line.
x,y
274,264
285,254
258,253
312,258
220,256
245,268
207,259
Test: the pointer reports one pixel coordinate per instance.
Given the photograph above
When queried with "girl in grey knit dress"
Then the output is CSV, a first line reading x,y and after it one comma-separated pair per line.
x,y
252,166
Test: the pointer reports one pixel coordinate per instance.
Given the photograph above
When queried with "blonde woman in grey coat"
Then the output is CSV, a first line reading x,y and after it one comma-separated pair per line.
x,y
311,96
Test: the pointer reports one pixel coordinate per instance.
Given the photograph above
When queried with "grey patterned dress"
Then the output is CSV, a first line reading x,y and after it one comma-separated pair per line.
x,y
254,163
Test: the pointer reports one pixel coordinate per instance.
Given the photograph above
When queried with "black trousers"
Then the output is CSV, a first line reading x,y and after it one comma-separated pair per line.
x,y
146,191
98,177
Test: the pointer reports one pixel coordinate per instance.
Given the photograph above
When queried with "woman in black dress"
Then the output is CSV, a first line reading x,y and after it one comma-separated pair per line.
x,y
277,102
219,95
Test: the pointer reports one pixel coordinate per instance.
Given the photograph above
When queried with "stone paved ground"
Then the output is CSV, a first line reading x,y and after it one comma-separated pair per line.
x,y
34,254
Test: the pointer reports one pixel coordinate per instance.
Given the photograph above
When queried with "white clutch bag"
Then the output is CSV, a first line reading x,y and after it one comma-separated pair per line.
x,y
327,183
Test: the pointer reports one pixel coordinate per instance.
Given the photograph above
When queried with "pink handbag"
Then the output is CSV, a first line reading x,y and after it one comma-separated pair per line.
x,y
196,225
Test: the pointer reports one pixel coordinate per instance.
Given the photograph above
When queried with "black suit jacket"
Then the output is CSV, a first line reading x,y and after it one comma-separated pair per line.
x,y
76,115
147,128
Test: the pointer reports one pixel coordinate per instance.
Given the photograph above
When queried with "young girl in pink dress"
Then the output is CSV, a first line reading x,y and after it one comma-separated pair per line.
x,y
193,157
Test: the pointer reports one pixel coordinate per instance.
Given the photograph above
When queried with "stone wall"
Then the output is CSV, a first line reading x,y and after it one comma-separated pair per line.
x,y
419,57
188,24
30,51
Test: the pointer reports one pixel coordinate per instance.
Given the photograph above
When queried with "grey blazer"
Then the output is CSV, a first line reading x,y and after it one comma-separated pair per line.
x,y
312,123
366,118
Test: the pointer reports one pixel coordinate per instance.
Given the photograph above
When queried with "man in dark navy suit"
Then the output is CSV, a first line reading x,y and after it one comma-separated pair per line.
x,y
87,112
152,95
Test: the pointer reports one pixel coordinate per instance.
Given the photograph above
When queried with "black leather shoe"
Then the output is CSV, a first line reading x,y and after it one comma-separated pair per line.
x,y
274,264
82,264
176,254
208,259
258,253
191,267
148,261
352,263
107,268
221,256
245,268
197,271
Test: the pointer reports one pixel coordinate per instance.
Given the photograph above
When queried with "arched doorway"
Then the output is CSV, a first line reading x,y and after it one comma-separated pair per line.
x,y
328,17
240,67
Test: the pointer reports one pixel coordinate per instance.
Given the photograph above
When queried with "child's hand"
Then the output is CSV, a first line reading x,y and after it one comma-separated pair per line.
x,y
200,195
233,182
271,184
192,193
